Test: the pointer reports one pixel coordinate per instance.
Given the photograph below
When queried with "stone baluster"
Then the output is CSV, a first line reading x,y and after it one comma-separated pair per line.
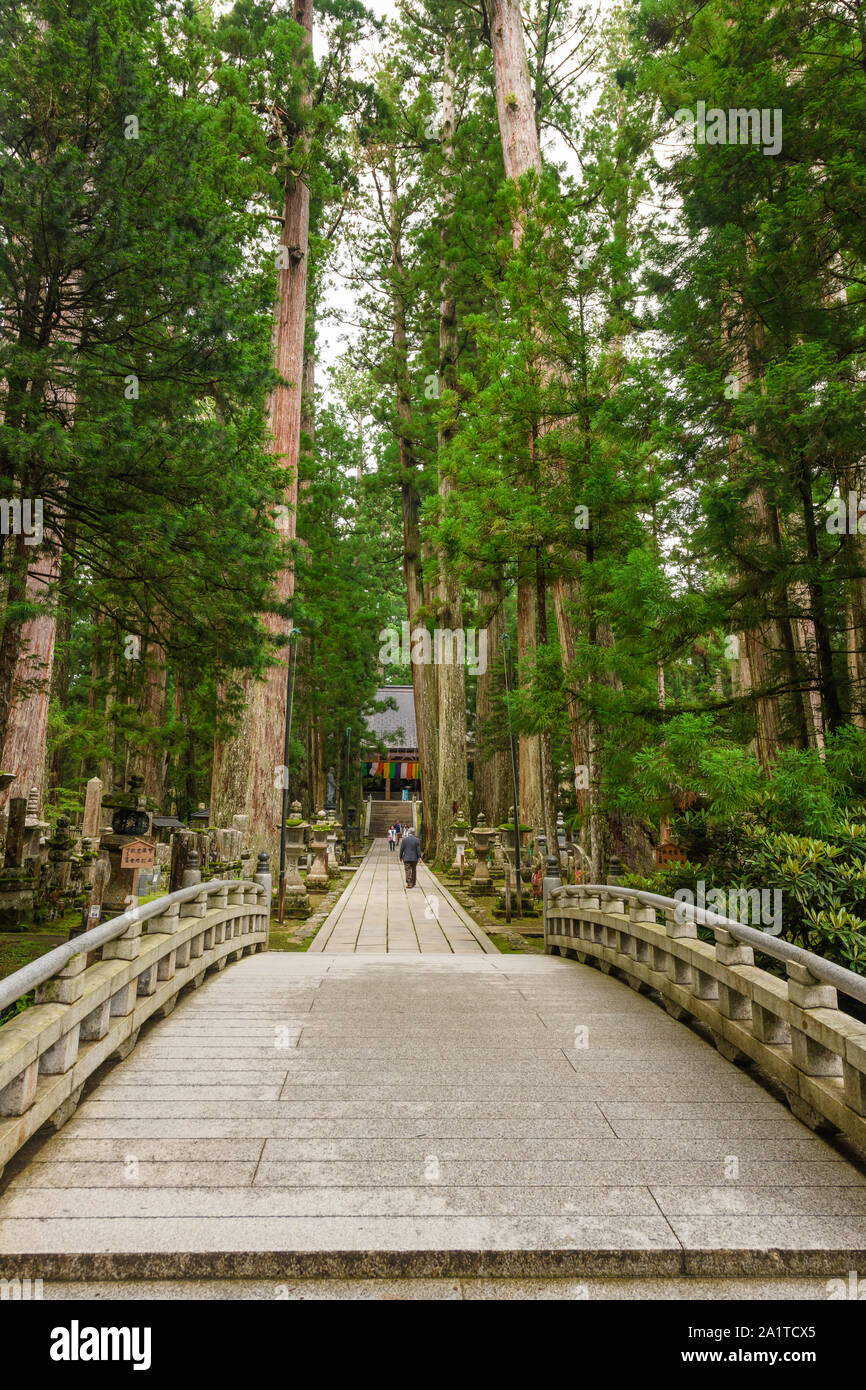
x,y
679,927
733,1003
66,987
808,993
636,947
196,907
854,1073
168,923
609,934
586,902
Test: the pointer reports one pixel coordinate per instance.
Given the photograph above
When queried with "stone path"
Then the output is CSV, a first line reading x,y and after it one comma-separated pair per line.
x,y
377,914
451,1114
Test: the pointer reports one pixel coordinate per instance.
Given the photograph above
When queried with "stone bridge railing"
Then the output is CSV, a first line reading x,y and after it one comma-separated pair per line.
x,y
791,1028
88,1013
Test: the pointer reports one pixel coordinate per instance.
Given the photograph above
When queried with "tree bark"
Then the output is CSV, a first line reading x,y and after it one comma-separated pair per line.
x,y
453,793
424,685
27,726
548,786
529,745
246,768
149,762
491,785
521,153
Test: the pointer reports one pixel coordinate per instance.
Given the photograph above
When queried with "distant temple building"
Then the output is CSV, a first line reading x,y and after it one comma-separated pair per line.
x,y
387,777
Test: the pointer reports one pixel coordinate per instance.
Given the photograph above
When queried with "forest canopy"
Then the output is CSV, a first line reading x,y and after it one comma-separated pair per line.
x,y
538,319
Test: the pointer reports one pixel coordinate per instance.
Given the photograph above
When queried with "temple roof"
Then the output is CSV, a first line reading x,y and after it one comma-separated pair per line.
x,y
395,727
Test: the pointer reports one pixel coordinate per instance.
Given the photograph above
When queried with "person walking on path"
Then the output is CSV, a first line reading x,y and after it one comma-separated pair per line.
x,y
410,853
391,838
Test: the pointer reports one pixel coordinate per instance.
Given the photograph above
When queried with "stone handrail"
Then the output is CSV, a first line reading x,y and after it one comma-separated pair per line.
x,y
792,1029
86,1014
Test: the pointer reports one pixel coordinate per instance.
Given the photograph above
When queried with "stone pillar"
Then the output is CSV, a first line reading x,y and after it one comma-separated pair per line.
x,y
263,876
92,809
550,881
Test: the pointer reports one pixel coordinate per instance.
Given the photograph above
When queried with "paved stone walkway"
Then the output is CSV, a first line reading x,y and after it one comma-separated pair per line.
x,y
377,914
364,1115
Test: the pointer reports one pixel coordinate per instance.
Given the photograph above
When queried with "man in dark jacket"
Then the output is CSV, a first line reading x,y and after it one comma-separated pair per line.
x,y
410,853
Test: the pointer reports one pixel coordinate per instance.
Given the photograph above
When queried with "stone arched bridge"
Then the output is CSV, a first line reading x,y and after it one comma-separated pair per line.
x,y
405,1101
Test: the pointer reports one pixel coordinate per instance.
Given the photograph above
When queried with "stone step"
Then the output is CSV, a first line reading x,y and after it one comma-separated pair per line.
x,y
450,1289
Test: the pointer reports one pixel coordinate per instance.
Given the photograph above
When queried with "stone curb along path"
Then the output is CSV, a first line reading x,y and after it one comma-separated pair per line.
x,y
315,920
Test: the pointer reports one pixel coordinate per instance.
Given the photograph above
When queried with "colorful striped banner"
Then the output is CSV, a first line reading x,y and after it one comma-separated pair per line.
x,y
409,771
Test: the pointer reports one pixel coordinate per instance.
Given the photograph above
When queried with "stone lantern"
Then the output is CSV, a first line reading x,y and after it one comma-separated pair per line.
x,y
318,873
482,835
60,848
297,900
497,868
129,847
334,831
460,828
351,832
34,832
561,841
506,833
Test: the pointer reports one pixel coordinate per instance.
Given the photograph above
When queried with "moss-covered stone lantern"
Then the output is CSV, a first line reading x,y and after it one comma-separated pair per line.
x,y
297,900
482,835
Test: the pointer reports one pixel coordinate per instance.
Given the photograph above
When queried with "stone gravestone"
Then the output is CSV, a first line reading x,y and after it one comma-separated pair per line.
x,y
183,844
16,884
14,856
92,809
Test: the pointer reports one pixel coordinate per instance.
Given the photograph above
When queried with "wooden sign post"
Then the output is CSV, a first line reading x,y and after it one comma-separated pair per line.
x,y
138,854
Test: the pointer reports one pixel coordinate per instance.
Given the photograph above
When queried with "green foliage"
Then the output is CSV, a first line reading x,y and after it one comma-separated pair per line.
x,y
823,885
